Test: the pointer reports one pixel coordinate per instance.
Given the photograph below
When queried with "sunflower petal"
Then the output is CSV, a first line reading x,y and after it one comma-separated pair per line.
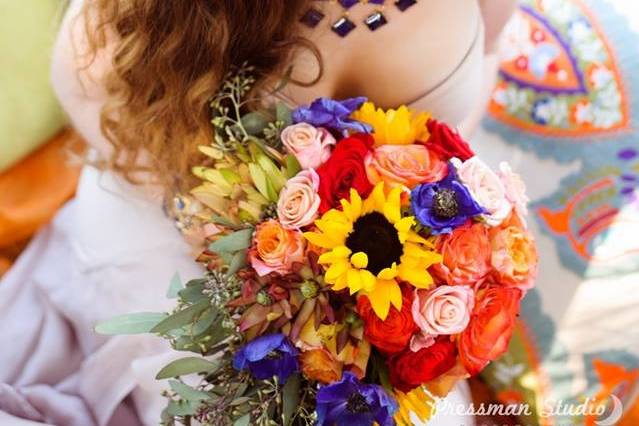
x,y
320,240
356,205
419,278
392,206
368,280
385,293
354,281
339,253
359,260
388,273
335,270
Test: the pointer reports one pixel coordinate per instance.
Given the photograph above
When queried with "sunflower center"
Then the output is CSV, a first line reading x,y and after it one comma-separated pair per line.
x,y
445,203
357,404
374,235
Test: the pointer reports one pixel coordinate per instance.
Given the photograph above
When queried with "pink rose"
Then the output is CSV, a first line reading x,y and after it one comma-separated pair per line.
x,y
486,188
515,190
408,165
299,200
465,255
444,310
310,145
275,249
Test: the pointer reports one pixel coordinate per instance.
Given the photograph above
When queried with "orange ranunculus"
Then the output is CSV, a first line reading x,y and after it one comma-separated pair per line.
x,y
466,255
320,365
275,249
491,325
407,165
392,334
514,255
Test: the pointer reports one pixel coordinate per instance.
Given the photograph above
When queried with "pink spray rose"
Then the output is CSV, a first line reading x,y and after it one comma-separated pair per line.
x,y
515,190
310,145
299,200
444,310
408,165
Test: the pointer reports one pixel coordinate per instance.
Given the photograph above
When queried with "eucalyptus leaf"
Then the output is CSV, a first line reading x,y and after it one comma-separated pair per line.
x,y
180,318
187,392
183,408
254,122
138,323
259,179
238,240
193,293
237,263
174,287
243,421
184,366
290,398
204,322
284,114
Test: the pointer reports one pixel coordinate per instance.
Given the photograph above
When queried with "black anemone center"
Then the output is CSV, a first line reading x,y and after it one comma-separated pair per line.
x,y
445,203
374,235
357,404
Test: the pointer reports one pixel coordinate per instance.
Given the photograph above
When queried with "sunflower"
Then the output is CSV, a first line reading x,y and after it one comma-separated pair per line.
x,y
371,248
417,402
394,127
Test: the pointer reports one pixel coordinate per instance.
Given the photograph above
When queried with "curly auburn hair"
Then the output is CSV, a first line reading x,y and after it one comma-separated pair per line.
x,y
169,59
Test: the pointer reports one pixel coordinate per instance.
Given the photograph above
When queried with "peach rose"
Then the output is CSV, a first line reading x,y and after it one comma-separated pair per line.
x,y
310,145
486,188
465,255
408,165
320,365
275,249
444,310
299,200
514,256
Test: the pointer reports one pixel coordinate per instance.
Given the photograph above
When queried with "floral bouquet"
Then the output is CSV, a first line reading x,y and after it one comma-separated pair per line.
x,y
359,263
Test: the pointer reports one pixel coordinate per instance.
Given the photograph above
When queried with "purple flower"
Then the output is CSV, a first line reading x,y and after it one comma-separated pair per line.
x,y
443,206
333,115
268,356
350,402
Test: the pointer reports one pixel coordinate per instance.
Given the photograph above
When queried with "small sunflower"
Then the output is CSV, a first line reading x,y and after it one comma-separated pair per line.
x,y
394,127
417,402
371,248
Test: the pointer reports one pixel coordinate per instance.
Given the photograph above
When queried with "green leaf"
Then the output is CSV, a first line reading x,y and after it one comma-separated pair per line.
x,y
243,421
180,318
292,166
184,366
193,292
182,408
237,263
290,398
138,323
238,240
259,179
283,114
174,287
205,321
187,392
255,122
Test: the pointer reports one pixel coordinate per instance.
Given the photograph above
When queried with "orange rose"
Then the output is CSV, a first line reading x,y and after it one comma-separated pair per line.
x,y
465,255
514,255
320,365
275,249
491,325
408,165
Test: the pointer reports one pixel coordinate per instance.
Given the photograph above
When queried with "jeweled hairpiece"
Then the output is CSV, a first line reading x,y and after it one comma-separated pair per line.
x,y
344,25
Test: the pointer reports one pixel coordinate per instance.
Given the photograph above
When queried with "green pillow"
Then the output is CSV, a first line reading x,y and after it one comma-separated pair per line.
x,y
29,111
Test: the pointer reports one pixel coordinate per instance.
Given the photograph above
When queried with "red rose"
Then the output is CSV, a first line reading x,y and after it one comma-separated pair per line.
x,y
393,334
446,142
344,170
409,370
491,325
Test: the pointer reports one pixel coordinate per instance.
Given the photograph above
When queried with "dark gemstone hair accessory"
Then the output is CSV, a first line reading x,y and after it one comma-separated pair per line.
x,y
344,25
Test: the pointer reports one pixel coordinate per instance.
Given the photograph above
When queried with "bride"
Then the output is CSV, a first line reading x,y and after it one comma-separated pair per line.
x,y
135,77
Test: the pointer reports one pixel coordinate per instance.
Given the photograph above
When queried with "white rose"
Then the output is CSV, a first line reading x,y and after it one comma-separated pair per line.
x,y
486,188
